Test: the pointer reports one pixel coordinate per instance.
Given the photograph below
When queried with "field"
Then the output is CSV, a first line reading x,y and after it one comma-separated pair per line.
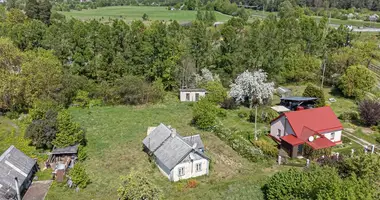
x,y
114,148
130,13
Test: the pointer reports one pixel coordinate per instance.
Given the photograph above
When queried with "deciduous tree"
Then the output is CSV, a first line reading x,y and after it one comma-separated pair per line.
x,y
137,186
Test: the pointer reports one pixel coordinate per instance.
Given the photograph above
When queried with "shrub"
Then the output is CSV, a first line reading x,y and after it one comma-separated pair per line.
x,y
133,90
349,115
12,114
356,81
264,115
137,186
313,91
266,147
192,183
370,112
243,114
240,145
346,140
82,99
79,176
216,93
42,132
82,153
69,132
204,114
229,103
145,17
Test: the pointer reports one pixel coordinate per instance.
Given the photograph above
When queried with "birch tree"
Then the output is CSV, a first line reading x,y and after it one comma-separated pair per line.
x,y
252,87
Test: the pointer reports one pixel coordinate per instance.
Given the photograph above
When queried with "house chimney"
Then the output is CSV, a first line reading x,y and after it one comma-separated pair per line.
x,y
195,145
174,132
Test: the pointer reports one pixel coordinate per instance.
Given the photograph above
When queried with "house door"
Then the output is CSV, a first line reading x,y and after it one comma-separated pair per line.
x,y
196,96
300,149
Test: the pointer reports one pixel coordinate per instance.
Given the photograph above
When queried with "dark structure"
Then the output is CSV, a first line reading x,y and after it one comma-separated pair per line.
x,y
297,103
15,164
66,156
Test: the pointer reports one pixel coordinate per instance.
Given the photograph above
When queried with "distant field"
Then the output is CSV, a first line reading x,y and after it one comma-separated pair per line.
x,y
130,13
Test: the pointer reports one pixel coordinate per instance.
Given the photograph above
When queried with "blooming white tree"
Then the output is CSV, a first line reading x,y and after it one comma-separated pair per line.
x,y
206,77
252,86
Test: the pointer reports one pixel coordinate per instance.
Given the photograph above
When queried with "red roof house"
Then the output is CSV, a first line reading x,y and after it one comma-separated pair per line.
x,y
318,128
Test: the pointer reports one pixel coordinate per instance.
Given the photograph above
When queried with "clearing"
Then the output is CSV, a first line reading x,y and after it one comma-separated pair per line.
x,y
115,137
129,13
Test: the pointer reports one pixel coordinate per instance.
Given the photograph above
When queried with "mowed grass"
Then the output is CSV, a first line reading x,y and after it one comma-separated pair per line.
x,y
130,13
114,149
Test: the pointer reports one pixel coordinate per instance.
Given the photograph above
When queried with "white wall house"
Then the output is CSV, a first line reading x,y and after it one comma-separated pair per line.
x,y
177,157
294,129
191,94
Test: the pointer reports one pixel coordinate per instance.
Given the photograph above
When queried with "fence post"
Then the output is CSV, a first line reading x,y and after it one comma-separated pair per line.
x,y
307,162
337,156
373,149
279,160
365,149
352,152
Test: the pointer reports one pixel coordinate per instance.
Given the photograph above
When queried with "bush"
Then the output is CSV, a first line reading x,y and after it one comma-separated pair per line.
x,y
42,132
137,186
356,81
346,140
145,17
377,139
243,114
192,183
239,144
79,176
349,115
266,147
82,153
264,115
370,112
132,90
12,114
69,132
204,114
313,91
82,99
229,103
216,93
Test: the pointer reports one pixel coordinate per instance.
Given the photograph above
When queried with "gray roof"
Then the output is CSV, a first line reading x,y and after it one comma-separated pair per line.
x,y
13,163
299,98
194,139
171,149
66,150
157,137
192,90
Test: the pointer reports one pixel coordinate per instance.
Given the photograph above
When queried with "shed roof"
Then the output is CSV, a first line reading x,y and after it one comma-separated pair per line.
x,y
193,90
14,163
66,150
299,98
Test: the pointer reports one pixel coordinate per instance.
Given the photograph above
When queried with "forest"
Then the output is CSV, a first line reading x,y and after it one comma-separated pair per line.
x,y
101,59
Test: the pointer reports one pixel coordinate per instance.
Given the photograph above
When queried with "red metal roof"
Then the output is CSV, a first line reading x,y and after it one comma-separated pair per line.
x,y
320,120
291,139
320,143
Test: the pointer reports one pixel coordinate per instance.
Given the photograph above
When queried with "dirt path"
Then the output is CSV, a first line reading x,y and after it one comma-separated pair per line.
x,y
349,133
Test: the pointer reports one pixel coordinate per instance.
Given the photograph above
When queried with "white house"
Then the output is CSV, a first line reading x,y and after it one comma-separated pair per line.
x,y
191,94
317,127
177,157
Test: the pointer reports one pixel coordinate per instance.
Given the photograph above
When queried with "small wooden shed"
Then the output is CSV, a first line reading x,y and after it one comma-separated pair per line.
x,y
65,155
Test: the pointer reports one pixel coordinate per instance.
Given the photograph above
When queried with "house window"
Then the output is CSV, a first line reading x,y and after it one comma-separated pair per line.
x,y
196,96
332,136
181,171
187,96
198,167
279,133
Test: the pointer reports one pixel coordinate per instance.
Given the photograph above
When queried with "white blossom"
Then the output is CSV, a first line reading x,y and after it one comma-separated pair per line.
x,y
252,86
206,76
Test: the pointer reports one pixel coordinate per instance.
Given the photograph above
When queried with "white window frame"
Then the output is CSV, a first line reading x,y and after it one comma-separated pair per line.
x,y
198,167
332,136
187,96
181,171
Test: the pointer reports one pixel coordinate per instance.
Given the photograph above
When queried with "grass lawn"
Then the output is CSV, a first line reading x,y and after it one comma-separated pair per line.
x,y
130,13
114,148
